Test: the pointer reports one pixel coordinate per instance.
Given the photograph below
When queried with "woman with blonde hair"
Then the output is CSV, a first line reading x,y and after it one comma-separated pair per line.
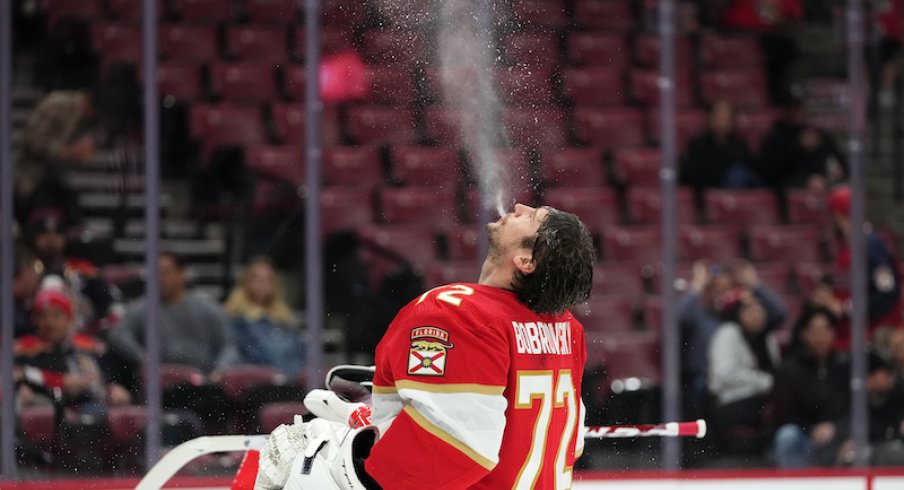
x,y
266,331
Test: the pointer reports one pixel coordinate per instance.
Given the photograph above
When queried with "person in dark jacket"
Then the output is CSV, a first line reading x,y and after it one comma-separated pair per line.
x,y
811,398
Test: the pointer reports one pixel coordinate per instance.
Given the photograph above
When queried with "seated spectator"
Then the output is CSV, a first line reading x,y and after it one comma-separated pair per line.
x,y
700,315
886,51
718,157
743,356
883,274
26,278
56,358
812,397
796,154
265,329
885,391
821,297
194,330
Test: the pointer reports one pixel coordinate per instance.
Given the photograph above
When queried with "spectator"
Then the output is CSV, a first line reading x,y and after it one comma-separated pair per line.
x,y
771,20
886,51
883,270
194,330
718,157
27,276
743,357
885,390
265,329
821,297
812,397
796,154
55,358
700,315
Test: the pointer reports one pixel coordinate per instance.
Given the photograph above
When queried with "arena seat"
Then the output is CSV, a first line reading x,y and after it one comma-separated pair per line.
x,y
644,85
173,375
540,14
127,425
345,13
534,128
791,244
117,43
461,242
596,48
637,166
294,81
611,15
447,272
742,208
197,11
807,208
129,10
441,124
345,208
283,163
226,125
617,279
257,42
775,275
572,167
289,124
710,243
393,46
525,85
57,10
627,355
239,381
808,275
245,81
736,51
417,205
688,123
38,427
609,127
753,124
179,80
386,245
272,415
352,166
270,11
596,206
531,49
606,313
372,124
644,205
632,243
647,51
425,165
188,42
594,86
393,84
332,40
651,309
744,87
522,195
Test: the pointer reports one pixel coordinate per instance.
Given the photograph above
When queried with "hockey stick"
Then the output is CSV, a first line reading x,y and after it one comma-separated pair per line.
x,y
670,429
189,450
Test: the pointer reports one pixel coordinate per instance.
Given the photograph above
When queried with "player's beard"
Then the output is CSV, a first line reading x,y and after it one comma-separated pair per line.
x,y
493,246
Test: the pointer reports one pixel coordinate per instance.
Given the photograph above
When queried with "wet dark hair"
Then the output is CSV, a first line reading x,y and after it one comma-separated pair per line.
x,y
563,256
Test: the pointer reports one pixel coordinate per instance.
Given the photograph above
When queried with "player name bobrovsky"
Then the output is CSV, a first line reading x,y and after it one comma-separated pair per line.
x,y
543,338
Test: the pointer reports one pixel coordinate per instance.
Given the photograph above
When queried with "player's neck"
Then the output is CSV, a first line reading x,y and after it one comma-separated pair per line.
x,y
494,275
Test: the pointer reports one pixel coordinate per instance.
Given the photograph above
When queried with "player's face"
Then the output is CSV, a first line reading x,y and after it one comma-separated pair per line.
x,y
509,232
52,324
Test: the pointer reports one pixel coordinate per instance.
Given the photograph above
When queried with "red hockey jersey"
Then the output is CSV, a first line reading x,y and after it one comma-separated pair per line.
x,y
477,391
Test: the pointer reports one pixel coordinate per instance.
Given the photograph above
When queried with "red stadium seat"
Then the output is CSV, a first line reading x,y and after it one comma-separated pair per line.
x,y
628,356
540,14
652,313
645,87
443,124
742,208
257,43
807,208
597,85
609,128
596,206
415,244
272,415
247,81
202,10
117,42
645,205
57,10
174,375
239,381
572,167
608,15
332,40
425,165
647,49
353,166
597,49
808,275
226,125
271,11
710,243
179,80
417,205
441,273
606,313
523,85
344,13
461,241
688,123
283,163
345,208
472,203
635,243
798,243
534,128
393,46
127,424
369,124
515,167
744,87
289,124
131,10
637,166
775,275
531,49
391,84
754,124
294,82
730,51
186,42
653,273
617,279
37,426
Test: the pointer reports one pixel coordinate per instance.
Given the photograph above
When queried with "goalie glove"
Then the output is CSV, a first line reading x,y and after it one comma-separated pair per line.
x,y
328,405
352,382
329,460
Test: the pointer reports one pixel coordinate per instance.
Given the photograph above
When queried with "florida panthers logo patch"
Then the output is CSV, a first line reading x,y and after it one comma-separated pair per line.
x,y
429,349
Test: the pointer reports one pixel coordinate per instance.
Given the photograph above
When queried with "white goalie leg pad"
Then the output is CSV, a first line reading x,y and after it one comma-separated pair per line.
x,y
328,463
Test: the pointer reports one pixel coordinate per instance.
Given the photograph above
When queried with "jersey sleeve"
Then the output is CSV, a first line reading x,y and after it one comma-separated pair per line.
x,y
440,378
